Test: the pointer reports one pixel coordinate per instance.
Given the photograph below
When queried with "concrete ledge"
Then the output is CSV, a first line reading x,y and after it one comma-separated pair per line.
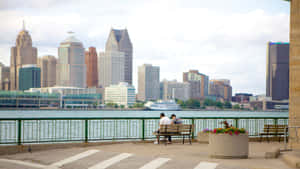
x,y
273,153
291,160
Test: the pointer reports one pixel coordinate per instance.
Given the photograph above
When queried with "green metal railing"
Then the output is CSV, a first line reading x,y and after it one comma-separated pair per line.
x,y
39,130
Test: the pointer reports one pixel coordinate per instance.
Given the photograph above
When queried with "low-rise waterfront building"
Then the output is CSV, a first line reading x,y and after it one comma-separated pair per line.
x,y
176,90
242,97
64,90
121,94
20,99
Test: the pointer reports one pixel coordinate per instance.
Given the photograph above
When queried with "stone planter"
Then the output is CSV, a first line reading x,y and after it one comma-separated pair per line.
x,y
202,137
226,146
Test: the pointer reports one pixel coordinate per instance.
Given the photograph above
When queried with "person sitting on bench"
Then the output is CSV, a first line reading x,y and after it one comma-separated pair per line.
x,y
164,120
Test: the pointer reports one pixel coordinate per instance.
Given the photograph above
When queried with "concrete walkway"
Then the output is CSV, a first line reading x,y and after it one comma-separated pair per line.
x,y
140,156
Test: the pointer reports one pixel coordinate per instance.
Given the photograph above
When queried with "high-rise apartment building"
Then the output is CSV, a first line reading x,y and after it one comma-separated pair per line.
x,y
21,54
277,82
48,70
198,83
176,90
71,67
148,82
221,89
30,77
121,94
4,77
119,47
91,62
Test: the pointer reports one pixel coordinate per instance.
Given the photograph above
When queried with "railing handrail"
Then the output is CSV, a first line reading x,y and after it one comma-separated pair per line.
x,y
132,118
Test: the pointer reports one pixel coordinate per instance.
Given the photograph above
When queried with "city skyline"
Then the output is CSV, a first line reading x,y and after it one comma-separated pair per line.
x,y
172,49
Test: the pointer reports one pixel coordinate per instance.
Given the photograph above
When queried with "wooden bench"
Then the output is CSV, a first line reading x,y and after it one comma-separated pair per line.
x,y
273,130
176,130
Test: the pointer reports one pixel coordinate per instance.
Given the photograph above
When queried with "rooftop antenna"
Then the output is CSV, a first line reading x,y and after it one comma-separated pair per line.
x,y
71,33
23,25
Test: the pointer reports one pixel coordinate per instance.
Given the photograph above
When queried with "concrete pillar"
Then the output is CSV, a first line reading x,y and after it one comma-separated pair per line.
x,y
294,105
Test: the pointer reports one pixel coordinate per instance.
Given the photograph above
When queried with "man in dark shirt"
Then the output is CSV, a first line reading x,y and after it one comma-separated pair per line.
x,y
175,120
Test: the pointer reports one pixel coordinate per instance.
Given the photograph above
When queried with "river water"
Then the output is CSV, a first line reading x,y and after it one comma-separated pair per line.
x,y
99,113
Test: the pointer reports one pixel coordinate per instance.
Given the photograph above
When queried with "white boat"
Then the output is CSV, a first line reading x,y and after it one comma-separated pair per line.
x,y
164,105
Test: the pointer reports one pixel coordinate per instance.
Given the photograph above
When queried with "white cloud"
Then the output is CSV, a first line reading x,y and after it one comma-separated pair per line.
x,y
220,44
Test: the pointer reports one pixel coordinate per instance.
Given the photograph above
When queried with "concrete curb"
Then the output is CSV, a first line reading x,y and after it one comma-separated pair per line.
x,y
13,149
291,160
274,153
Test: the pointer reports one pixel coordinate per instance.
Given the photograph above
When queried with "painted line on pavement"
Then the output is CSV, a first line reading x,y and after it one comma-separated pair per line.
x,y
206,165
111,161
155,163
74,158
29,164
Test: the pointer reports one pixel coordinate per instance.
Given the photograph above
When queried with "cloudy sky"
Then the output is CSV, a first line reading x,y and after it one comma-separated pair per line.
x,y
220,38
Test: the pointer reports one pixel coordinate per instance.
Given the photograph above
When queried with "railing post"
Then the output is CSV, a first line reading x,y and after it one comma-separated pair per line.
x,y
193,122
19,132
143,129
236,123
86,131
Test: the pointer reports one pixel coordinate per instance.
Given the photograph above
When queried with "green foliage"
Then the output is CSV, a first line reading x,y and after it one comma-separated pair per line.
x,y
122,106
219,105
209,102
116,106
138,105
227,105
110,105
181,103
193,103
236,106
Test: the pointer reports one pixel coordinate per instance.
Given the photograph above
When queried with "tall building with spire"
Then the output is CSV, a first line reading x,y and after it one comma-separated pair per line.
x,y
21,54
47,64
118,47
71,67
92,70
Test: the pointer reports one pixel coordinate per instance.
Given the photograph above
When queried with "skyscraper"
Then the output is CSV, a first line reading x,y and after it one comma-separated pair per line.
x,y
4,77
148,82
21,54
48,70
119,42
111,68
71,68
91,65
30,77
198,83
277,81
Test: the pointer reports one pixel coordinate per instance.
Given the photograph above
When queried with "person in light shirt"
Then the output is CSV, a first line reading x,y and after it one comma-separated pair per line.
x,y
164,120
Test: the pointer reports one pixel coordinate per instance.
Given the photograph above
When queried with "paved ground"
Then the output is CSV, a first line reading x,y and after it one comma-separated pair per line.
x,y
140,156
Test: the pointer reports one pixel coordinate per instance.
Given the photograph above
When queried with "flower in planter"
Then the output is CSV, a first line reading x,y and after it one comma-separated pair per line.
x,y
228,129
206,130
